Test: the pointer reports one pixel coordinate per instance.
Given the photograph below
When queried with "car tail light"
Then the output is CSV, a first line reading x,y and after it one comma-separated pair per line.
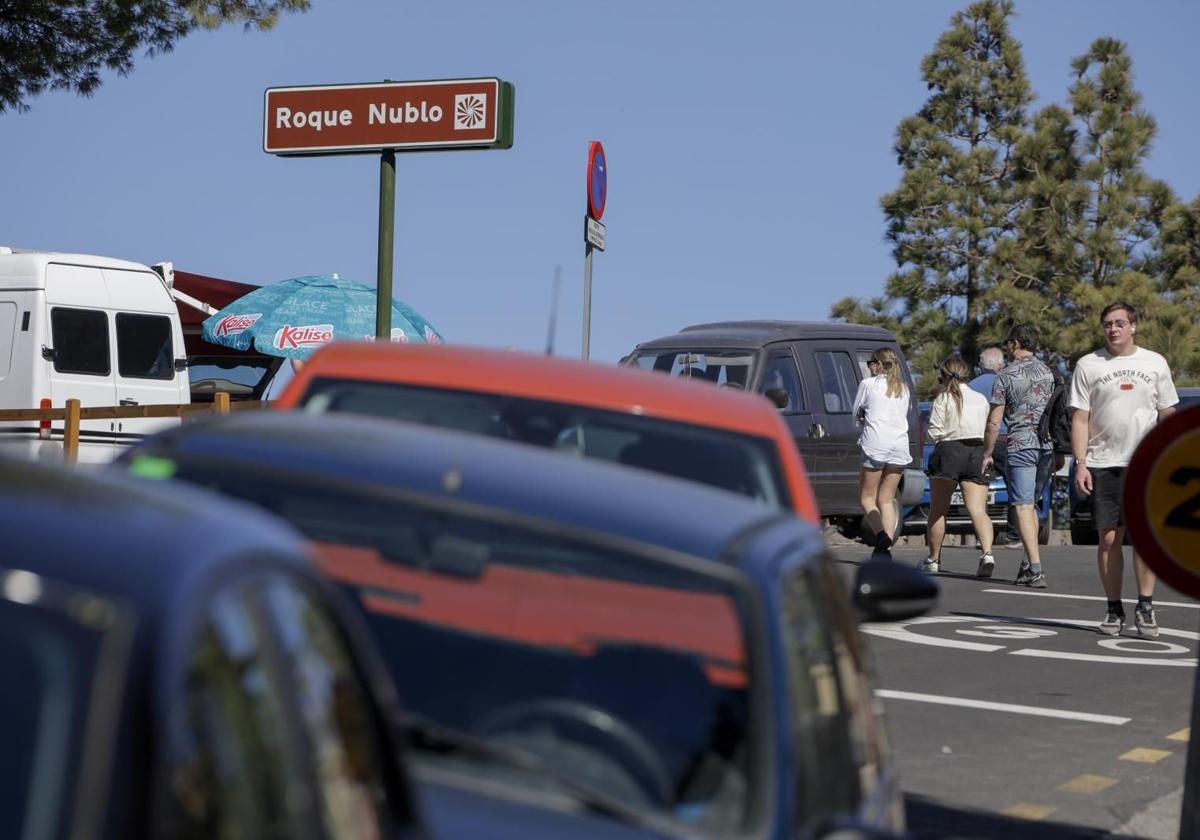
x,y
44,425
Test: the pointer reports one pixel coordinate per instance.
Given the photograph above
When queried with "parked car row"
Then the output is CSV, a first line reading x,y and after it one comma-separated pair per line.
x,y
307,623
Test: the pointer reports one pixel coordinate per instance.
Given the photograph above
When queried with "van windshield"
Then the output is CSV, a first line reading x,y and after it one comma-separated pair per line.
x,y
731,368
744,464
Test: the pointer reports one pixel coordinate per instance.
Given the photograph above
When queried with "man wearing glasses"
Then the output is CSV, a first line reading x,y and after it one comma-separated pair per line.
x,y
1118,393
1020,394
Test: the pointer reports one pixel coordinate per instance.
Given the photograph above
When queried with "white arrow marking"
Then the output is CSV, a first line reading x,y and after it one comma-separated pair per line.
x,y
1014,708
1083,622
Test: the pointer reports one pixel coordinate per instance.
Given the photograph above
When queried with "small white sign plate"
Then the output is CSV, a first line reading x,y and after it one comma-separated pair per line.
x,y
594,234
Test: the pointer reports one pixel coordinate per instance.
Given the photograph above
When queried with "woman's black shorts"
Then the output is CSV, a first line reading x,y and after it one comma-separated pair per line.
x,y
958,460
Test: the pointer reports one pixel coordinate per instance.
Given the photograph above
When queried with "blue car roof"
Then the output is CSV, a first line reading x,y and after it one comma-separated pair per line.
x,y
112,535
502,475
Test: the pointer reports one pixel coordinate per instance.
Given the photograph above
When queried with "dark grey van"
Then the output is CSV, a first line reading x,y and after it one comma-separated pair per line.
x,y
811,370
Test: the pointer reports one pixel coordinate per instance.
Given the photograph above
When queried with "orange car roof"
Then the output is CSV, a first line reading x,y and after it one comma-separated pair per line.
x,y
550,378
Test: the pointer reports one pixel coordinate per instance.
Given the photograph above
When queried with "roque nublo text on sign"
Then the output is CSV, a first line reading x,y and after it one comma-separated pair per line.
x,y
345,119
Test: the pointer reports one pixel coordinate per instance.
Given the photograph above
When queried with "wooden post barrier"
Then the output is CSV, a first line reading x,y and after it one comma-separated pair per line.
x,y
73,413
71,432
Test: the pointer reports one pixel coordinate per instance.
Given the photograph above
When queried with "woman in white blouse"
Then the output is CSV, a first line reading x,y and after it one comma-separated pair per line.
x,y
881,408
956,424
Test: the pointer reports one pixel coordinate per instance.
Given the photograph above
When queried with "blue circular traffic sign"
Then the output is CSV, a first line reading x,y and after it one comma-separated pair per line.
x,y
597,180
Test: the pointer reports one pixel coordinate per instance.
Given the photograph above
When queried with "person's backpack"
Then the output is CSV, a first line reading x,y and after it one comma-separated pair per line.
x,y
1054,427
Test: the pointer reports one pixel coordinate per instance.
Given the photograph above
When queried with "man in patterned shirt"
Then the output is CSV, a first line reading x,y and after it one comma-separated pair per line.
x,y
1019,396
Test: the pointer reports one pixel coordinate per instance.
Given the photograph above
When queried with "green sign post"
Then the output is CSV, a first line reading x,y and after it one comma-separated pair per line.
x,y
388,117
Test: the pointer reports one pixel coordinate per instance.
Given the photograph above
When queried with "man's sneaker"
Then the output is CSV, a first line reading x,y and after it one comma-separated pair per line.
x,y
987,563
930,565
1026,576
1112,623
1143,619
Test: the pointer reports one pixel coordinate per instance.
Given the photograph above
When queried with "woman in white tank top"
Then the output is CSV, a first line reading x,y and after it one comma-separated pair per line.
x,y
881,408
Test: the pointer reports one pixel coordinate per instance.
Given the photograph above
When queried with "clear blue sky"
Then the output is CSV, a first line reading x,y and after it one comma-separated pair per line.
x,y
748,145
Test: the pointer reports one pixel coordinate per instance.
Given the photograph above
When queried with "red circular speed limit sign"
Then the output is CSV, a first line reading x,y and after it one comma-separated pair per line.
x,y
1162,500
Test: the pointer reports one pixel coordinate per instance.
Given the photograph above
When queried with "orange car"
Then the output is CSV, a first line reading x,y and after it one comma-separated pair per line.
x,y
717,436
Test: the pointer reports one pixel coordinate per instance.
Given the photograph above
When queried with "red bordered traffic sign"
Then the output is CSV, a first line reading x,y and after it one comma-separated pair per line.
x,y
1162,500
597,180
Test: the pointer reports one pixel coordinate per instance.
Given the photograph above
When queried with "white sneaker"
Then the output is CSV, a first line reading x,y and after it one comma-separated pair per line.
x,y
930,565
987,563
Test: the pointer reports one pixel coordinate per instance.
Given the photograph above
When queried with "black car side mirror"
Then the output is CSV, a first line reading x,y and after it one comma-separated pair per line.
x,y
779,396
885,590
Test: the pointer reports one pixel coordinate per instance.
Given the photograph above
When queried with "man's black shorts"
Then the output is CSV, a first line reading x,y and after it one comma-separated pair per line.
x,y
1108,498
958,460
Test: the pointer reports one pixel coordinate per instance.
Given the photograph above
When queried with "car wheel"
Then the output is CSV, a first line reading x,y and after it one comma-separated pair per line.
x,y
1083,535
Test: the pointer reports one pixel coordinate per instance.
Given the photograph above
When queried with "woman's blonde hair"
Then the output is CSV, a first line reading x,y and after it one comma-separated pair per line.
x,y
891,369
953,371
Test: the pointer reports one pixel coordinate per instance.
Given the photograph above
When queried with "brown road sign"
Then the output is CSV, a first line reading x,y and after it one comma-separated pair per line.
x,y
405,116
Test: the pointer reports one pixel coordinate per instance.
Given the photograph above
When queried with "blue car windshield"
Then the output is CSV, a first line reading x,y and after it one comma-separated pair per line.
x,y
626,673
743,464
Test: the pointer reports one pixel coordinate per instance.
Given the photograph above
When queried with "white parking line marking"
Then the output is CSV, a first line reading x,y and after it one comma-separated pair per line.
x,y
1094,657
1189,606
901,634
1013,708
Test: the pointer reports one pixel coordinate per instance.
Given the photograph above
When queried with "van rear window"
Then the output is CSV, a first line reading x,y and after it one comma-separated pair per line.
x,y
144,348
80,341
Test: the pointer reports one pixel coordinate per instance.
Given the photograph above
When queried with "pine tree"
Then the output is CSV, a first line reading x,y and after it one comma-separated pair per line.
x,y
1176,266
1090,214
956,201
64,44
1039,274
1124,204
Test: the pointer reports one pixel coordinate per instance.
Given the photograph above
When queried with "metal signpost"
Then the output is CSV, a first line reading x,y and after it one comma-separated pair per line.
x,y
593,231
1162,515
388,117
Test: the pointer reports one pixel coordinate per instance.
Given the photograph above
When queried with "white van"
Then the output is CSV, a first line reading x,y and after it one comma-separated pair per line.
x,y
101,330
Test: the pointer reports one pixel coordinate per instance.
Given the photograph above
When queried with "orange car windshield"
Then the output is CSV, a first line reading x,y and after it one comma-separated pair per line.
x,y
743,464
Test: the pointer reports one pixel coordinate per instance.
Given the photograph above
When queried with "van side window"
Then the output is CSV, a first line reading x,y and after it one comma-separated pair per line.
x,y
781,373
864,356
80,341
144,349
838,382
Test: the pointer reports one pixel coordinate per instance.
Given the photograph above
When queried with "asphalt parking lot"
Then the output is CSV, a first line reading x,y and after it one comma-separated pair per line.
x,y
1011,715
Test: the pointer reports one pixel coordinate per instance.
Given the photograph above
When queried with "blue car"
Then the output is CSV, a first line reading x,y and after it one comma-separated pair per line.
x,y
958,521
582,649
174,667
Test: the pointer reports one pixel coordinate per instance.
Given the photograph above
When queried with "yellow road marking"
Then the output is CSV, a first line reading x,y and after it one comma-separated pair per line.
x,y
1028,811
1145,755
1087,783
1181,735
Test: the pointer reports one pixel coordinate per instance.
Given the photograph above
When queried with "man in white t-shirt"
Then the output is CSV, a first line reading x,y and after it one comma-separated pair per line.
x,y
1118,394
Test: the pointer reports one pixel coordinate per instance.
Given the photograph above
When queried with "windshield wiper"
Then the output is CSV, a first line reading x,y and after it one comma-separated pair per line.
x,y
427,734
